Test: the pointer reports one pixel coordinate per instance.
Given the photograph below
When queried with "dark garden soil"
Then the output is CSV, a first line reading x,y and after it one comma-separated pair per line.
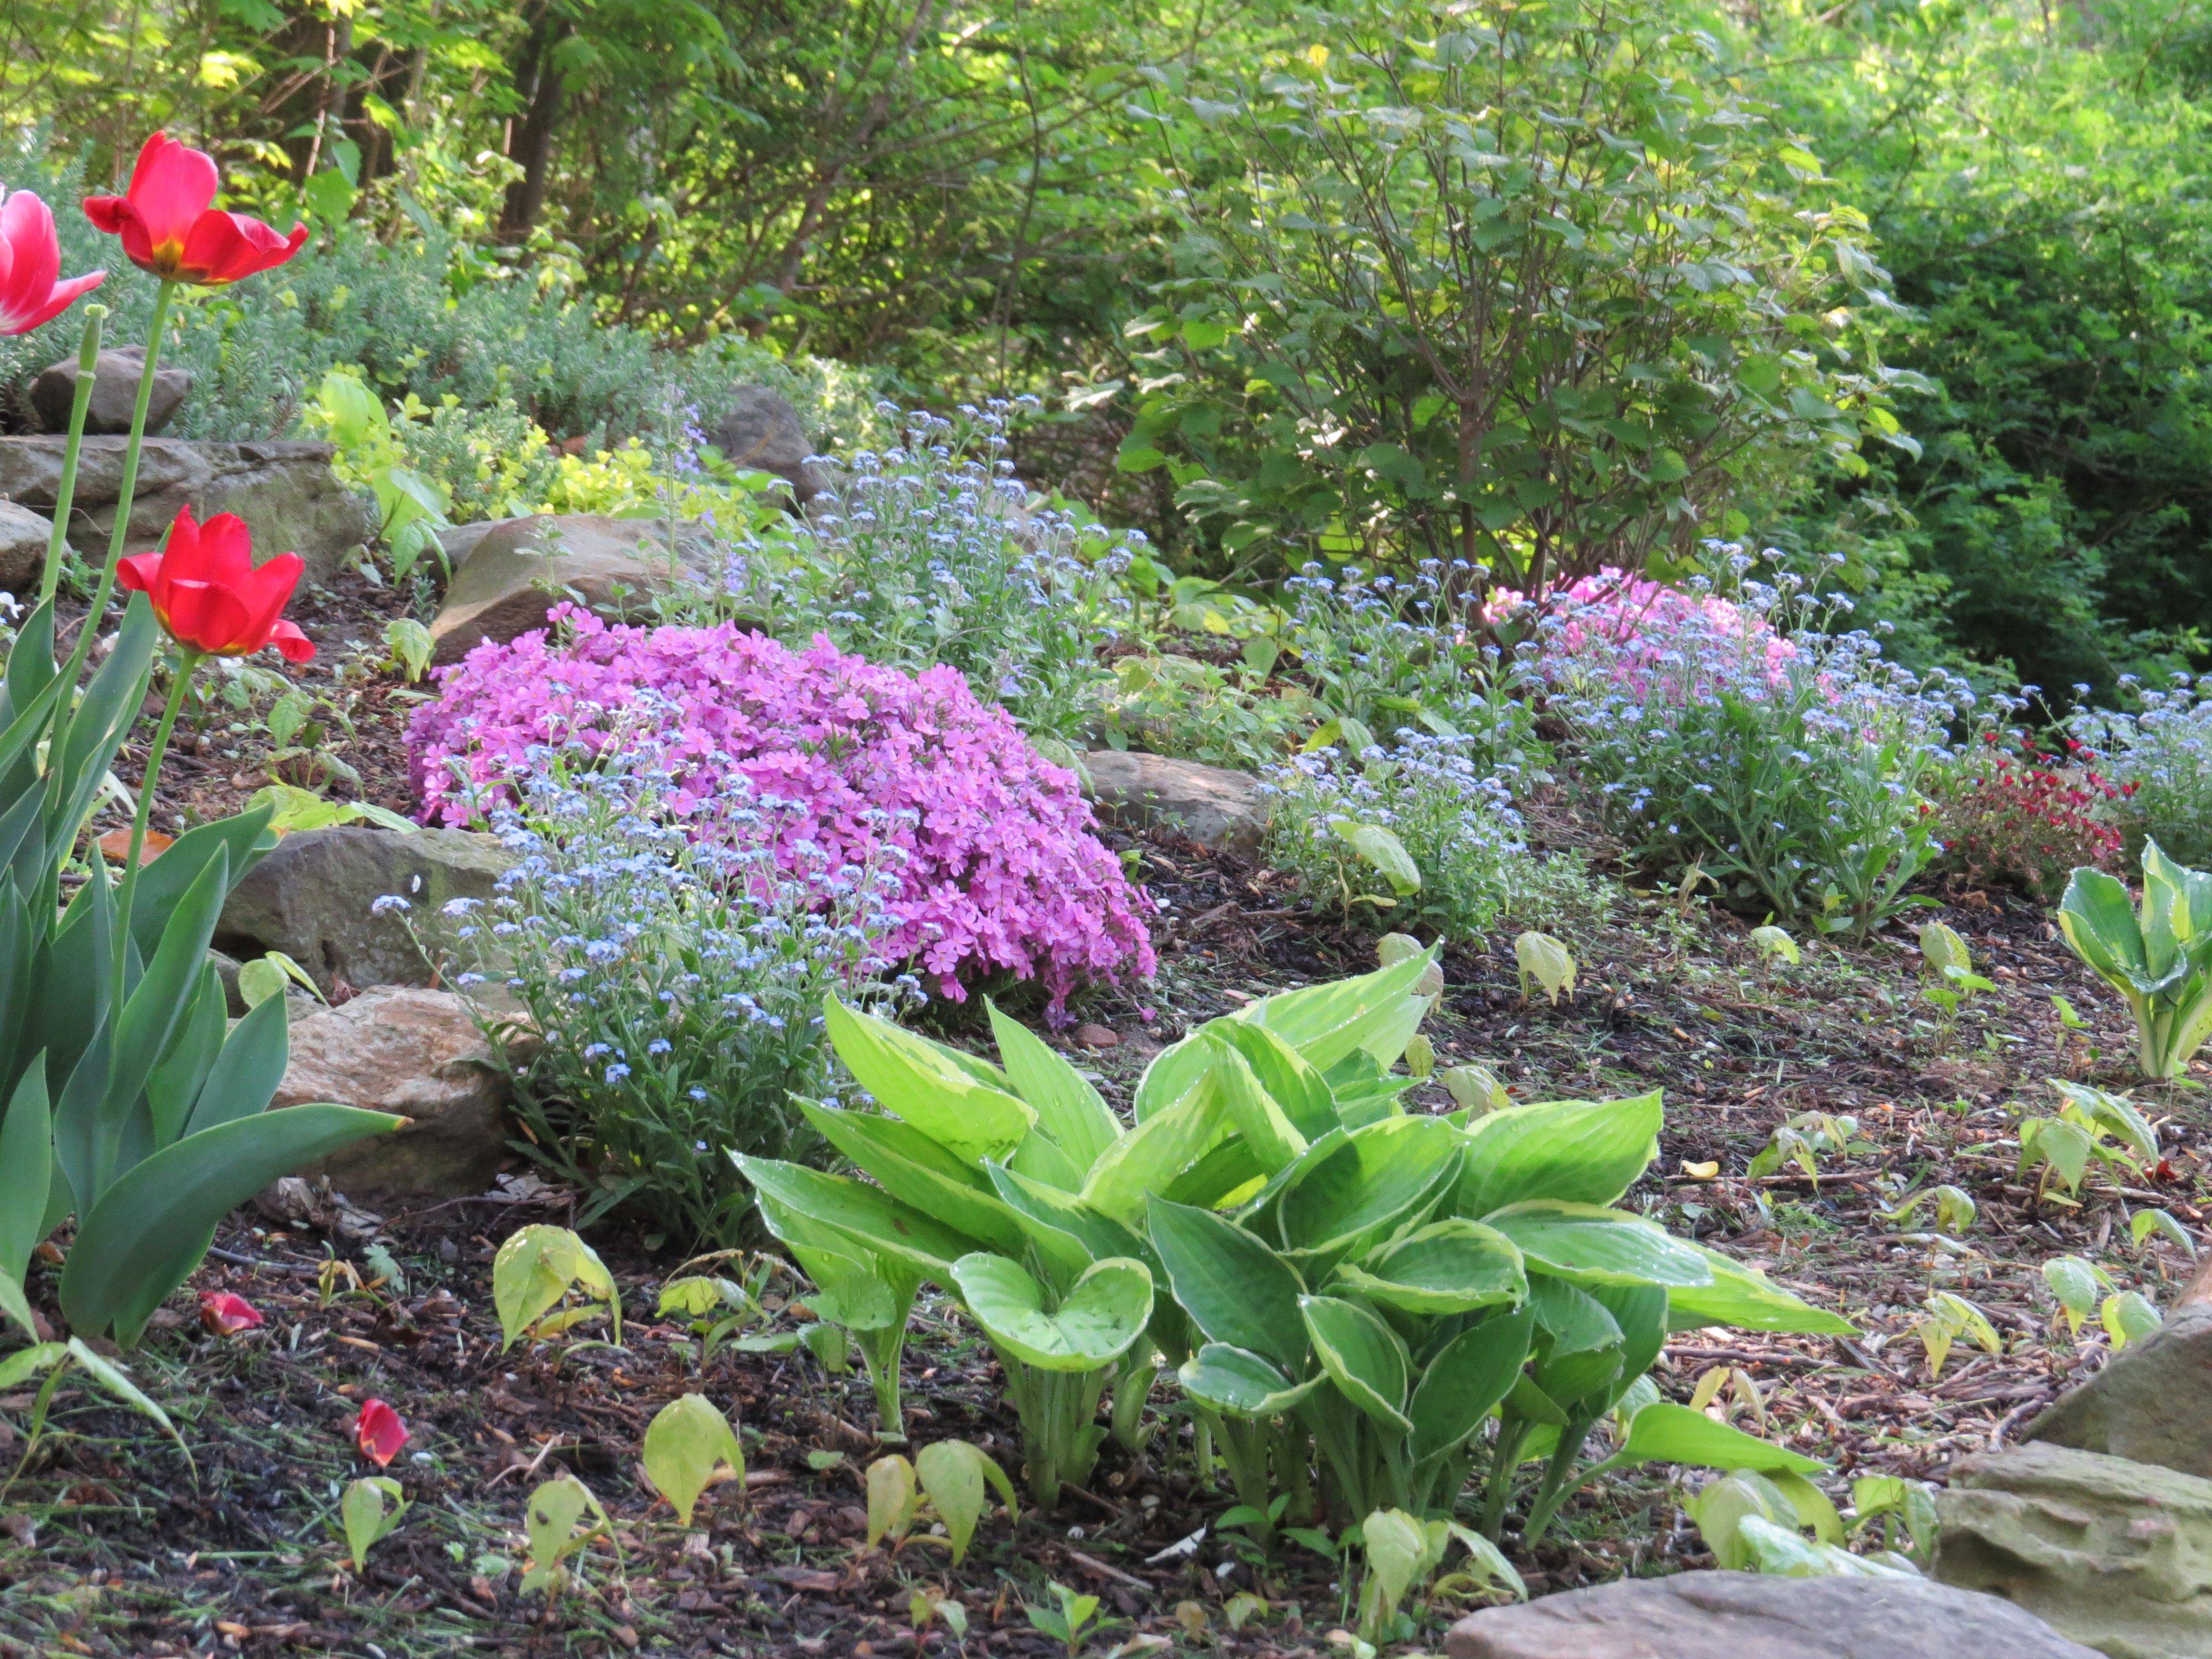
x,y
114,1545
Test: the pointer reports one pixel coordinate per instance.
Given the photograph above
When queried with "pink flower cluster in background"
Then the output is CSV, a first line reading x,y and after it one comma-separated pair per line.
x,y
1633,625
999,869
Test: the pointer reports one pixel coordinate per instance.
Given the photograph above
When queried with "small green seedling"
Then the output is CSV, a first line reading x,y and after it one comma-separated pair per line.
x,y
1953,966
268,976
1540,958
555,1523
367,1512
1066,1623
1404,1552
930,1605
1475,1089
1905,1511
410,646
946,1479
1771,942
535,1270
687,1441
1804,1141
2144,1222
2128,1317
2077,1284
2092,1126
1948,1318
1955,1209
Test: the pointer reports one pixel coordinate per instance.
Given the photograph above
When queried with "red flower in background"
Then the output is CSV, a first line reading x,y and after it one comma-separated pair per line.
x,y
170,227
222,1314
31,288
378,1432
211,595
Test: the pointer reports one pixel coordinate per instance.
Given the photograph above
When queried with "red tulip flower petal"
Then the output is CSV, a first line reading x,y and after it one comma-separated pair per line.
x,y
379,1433
223,1314
209,594
170,226
291,643
225,246
30,266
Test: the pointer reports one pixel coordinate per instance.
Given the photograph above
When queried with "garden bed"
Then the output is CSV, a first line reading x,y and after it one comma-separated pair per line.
x,y
114,1546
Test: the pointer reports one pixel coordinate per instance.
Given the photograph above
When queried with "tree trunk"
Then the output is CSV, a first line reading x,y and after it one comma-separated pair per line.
x,y
530,139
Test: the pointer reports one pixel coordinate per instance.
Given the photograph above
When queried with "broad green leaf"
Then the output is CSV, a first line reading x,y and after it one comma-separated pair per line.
x,y
1382,852
1668,1433
366,1514
1583,1151
1149,1158
1235,1288
868,1215
1582,1350
535,1269
1590,1245
1363,1356
1469,1377
1068,1108
1288,1078
2128,1317
2077,1284
1397,1555
1376,1178
150,1228
919,1172
953,1473
16,1306
1325,1022
26,1164
1240,1382
2099,921
684,1443
246,1072
923,1083
1104,1312
1258,1118
2144,1222
1544,959
1452,1266
1054,1219
1744,1298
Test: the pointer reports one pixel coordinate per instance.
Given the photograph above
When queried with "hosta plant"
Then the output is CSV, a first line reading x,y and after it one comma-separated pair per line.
x,y
1016,1189
1395,1285
2159,957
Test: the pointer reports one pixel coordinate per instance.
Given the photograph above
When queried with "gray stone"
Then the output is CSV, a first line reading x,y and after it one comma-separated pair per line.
x,y
23,537
114,393
421,1054
290,499
312,897
761,430
1746,1615
459,540
2116,1555
518,570
1218,809
2151,1402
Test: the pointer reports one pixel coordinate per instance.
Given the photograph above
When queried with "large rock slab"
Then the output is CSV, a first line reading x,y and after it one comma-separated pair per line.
x,y
2151,1402
2116,1555
519,570
417,1052
290,499
115,377
1219,808
761,430
314,897
1746,1615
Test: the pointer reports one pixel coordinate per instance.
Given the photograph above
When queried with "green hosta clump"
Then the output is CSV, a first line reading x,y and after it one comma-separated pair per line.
x,y
2159,958
1016,1190
1395,1283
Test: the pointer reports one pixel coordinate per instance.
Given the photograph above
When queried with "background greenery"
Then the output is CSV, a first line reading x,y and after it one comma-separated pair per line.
x,y
1923,283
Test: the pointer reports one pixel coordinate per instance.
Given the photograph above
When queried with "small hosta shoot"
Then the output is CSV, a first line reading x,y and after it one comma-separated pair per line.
x,y
535,1270
686,1443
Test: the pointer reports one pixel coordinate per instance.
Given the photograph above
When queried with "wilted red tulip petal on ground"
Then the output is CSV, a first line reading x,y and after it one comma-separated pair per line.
x,y
223,1314
379,1432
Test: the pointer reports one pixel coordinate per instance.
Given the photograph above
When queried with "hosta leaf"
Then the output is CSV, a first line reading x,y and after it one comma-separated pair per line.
x,y
1469,1375
919,1172
1667,1433
1452,1266
1149,1158
1744,1298
1376,1178
1583,1151
1587,1244
1068,1108
927,1085
1235,1288
1242,1384
1273,1140
1324,1022
1104,1311
1363,1356
869,1216
953,1473
1287,1075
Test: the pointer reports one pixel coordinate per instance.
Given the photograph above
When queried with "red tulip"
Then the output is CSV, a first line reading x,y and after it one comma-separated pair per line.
x,y
222,1314
209,594
170,226
31,265
378,1432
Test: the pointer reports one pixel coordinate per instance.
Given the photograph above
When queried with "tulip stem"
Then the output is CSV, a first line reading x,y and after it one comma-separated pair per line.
x,y
128,489
187,662
87,365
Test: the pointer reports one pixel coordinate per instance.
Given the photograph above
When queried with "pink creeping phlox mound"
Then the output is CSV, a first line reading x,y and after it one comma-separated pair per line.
x,y
1633,624
999,869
